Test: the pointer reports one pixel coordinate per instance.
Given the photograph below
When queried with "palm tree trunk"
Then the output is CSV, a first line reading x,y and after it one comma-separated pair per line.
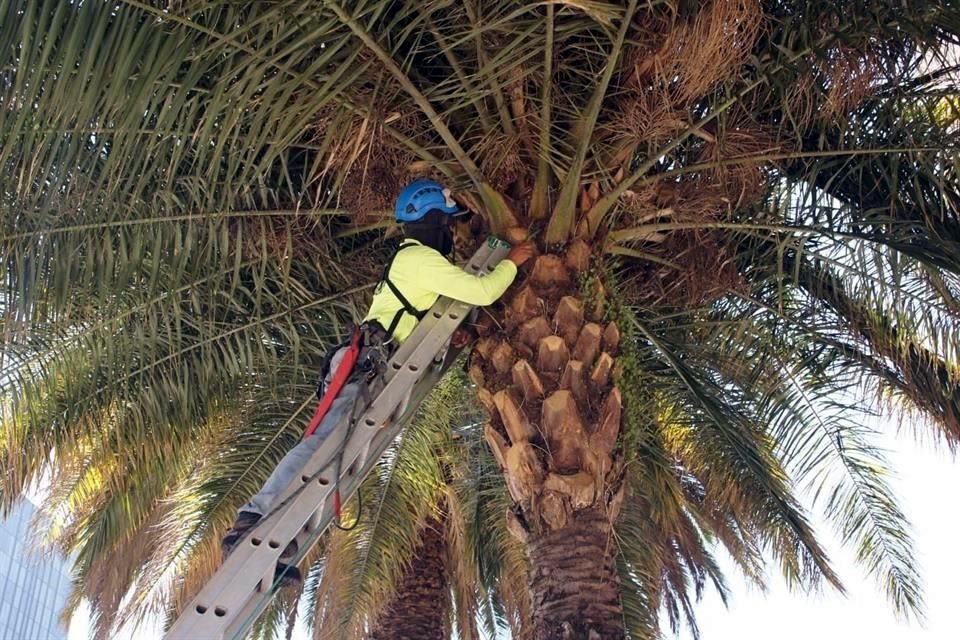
x,y
573,580
419,609
546,377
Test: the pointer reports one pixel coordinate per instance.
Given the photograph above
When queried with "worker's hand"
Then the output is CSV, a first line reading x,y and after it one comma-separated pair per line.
x,y
521,253
461,338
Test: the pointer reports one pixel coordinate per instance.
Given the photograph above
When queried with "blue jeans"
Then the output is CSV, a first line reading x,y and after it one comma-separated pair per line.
x,y
292,464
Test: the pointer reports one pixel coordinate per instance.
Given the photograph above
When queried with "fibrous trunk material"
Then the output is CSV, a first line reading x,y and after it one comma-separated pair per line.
x,y
546,372
573,580
419,610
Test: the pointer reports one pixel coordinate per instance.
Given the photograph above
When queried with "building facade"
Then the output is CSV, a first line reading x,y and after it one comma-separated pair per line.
x,y
33,589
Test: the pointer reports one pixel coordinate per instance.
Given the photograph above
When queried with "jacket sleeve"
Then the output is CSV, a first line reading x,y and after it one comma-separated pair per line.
x,y
436,274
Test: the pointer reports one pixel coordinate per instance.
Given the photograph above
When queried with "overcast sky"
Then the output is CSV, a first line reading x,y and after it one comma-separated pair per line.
x,y
926,484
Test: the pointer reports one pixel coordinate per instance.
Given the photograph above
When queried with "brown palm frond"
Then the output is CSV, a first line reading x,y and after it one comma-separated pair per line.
x,y
738,148
851,76
709,49
502,161
648,116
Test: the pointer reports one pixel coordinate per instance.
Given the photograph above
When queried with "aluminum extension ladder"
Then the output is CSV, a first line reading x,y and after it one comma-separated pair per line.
x,y
236,595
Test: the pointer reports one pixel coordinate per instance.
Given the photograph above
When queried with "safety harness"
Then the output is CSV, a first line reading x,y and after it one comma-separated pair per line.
x,y
407,307
349,361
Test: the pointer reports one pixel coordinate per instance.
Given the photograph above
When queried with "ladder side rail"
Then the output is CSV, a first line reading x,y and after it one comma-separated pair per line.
x,y
412,358
390,394
383,438
412,369
227,593
285,523
348,488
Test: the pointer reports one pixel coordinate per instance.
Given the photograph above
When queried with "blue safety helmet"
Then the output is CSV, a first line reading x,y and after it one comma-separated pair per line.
x,y
420,197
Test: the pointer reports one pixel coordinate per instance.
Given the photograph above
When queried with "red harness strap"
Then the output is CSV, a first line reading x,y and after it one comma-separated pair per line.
x,y
344,369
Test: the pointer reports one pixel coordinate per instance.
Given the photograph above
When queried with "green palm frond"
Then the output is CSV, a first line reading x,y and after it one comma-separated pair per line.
x,y
745,399
809,404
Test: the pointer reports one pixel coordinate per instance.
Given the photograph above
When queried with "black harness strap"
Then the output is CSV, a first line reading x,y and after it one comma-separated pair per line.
x,y
407,307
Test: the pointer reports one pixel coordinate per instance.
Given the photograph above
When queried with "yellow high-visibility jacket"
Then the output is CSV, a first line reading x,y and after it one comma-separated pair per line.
x,y
422,275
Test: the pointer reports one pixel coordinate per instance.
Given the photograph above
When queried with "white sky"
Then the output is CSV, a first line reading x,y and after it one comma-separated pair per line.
x,y
925,484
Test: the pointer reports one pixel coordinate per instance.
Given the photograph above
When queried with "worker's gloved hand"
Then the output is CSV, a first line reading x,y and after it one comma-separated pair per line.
x,y
461,338
520,253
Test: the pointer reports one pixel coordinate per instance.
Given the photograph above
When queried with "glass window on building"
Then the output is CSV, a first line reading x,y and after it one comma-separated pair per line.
x,y
30,600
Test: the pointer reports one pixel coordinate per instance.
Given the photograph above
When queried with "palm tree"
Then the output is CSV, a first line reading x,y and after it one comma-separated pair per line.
x,y
747,213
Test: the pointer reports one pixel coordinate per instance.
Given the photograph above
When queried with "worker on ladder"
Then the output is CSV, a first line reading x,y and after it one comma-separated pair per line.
x,y
415,277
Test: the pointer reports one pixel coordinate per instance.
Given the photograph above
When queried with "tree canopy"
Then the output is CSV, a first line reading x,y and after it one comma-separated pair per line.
x,y
196,199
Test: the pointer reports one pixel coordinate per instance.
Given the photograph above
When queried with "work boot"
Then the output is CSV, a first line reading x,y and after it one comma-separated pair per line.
x,y
245,521
286,575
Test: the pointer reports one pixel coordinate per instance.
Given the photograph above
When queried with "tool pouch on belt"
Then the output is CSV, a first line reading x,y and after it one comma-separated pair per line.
x,y
375,351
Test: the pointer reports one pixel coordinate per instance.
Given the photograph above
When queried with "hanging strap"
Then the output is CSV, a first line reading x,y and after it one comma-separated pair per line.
x,y
407,307
340,377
